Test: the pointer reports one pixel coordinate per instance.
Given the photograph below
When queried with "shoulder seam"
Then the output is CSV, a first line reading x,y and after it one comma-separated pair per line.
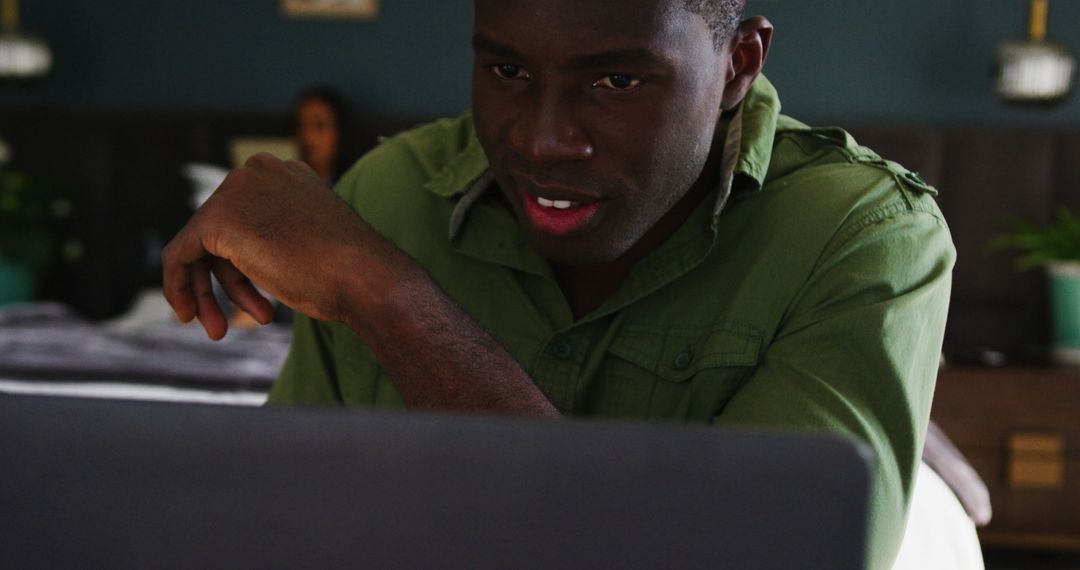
x,y
876,216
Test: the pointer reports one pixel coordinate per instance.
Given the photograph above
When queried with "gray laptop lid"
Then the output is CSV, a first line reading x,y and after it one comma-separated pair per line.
x,y
94,484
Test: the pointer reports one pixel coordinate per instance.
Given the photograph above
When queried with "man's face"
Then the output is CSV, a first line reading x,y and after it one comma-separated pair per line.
x,y
596,116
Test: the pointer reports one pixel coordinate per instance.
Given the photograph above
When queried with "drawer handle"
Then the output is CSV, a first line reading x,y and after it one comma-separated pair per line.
x,y
1036,460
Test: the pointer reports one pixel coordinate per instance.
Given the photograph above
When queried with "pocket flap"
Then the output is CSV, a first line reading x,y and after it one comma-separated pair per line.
x,y
677,353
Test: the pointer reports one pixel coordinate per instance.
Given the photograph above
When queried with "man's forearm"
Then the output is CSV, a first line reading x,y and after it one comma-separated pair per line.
x,y
437,356
274,223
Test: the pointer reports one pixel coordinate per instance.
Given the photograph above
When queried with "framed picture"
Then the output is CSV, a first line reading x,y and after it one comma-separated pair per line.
x,y
361,9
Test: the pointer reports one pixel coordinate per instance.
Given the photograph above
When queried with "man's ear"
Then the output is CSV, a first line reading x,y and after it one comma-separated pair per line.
x,y
748,48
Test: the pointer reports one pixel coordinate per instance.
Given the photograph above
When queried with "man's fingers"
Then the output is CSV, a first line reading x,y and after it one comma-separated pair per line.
x,y
210,315
177,280
187,284
241,291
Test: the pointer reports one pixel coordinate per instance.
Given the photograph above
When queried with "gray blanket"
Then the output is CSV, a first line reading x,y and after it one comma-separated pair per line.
x,y
47,341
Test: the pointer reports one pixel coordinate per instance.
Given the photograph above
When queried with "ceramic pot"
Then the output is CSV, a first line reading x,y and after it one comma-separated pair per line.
x,y
1065,310
16,282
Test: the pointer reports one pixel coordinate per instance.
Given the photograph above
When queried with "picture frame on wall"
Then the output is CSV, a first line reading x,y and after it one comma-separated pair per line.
x,y
354,9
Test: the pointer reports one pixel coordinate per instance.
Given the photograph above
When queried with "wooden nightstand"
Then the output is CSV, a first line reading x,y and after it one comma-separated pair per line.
x,y
1020,429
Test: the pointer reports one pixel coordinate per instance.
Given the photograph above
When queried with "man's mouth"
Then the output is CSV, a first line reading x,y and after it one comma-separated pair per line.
x,y
558,217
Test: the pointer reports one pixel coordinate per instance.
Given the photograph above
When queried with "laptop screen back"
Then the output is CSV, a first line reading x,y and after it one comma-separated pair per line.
x,y
135,485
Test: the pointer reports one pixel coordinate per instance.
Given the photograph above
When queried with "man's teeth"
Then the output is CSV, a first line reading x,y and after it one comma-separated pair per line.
x,y
557,204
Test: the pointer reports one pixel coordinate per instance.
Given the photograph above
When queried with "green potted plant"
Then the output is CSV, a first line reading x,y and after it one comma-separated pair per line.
x,y
1056,247
28,214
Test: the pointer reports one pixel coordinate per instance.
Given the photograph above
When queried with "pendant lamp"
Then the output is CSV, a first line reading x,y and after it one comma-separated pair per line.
x,y
1035,71
22,56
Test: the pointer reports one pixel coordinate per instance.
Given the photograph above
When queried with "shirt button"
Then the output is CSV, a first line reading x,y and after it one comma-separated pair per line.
x,y
683,360
562,350
915,177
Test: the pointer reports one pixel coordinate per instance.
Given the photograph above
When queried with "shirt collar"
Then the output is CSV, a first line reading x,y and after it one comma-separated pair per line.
x,y
760,112
752,131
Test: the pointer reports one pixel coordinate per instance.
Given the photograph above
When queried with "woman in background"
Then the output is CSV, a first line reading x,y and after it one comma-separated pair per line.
x,y
319,119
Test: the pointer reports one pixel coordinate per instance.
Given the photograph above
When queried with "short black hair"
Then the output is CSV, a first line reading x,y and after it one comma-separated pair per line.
x,y
328,95
722,16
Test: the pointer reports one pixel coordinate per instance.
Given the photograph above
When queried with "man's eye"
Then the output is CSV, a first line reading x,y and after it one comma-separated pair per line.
x,y
509,71
618,82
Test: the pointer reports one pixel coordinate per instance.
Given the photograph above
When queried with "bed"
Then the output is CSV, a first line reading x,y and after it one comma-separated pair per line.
x,y
47,349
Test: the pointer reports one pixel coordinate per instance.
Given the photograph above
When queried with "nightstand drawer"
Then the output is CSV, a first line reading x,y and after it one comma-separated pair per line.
x,y
1020,430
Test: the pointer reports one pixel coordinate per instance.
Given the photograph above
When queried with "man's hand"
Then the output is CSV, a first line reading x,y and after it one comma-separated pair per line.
x,y
270,223
274,223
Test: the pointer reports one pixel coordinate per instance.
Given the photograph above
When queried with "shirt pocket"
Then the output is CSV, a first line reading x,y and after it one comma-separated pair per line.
x,y
685,373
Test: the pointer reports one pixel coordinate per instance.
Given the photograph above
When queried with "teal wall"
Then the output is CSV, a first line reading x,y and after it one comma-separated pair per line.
x,y
924,61
927,61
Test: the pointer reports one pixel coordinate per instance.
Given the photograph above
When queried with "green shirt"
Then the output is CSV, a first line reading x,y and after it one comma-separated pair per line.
x,y
813,297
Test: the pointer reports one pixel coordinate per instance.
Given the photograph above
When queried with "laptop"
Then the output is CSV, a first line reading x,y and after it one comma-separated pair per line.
x,y
107,484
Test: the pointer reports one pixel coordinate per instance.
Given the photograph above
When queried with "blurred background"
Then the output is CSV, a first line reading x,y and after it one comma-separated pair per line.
x,y
138,89
143,104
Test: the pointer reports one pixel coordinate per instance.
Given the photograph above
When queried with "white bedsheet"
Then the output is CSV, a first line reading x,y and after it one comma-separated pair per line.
x,y
131,391
939,534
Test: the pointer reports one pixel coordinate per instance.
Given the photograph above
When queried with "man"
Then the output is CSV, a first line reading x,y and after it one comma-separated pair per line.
x,y
624,227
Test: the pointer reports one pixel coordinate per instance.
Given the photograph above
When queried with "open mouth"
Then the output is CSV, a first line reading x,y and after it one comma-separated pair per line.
x,y
557,204
558,217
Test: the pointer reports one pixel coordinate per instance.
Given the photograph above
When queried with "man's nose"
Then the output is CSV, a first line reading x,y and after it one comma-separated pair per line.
x,y
549,131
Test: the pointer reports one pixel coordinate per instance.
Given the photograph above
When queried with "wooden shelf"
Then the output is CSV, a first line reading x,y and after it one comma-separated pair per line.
x,y
1020,429
1029,541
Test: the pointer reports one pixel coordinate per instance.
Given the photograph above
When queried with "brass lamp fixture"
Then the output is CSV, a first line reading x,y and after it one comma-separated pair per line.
x,y
1035,71
22,56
